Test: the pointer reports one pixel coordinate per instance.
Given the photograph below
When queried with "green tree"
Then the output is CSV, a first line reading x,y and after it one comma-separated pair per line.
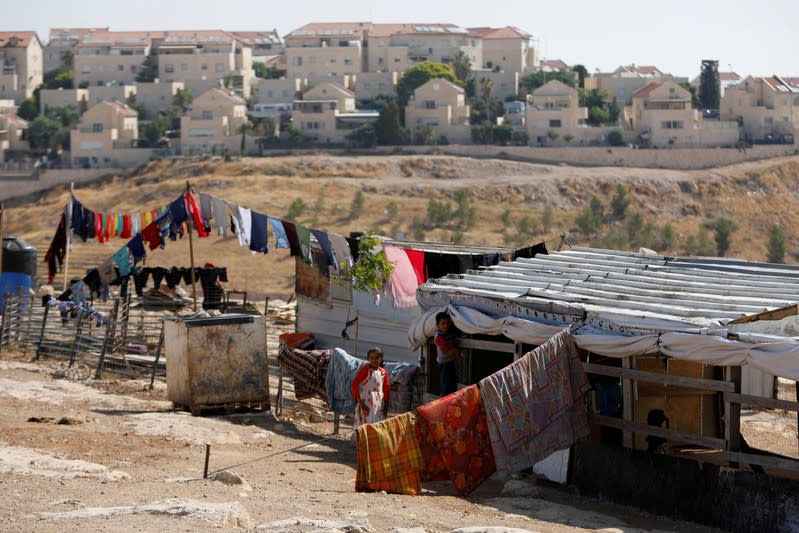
x,y
388,126
296,209
723,229
696,103
67,115
535,80
294,136
462,65
776,244
486,88
502,134
148,70
68,60
598,116
438,213
465,213
619,203
483,134
267,73
416,76
59,78
182,99
357,205
590,219
372,269
28,109
616,138
582,74
392,210
521,138
43,132
423,135
710,84
553,135
363,136
547,217
668,237
505,218
151,133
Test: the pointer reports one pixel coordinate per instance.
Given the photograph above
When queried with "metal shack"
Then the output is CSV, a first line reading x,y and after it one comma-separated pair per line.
x,y
325,305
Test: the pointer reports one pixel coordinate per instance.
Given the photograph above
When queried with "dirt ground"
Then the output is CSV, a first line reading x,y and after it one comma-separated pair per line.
x,y
111,456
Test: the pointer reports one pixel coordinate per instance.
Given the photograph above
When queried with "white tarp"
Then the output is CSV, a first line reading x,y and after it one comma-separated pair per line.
x,y
780,358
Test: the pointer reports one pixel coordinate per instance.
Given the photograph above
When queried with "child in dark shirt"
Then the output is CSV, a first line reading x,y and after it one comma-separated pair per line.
x,y
447,353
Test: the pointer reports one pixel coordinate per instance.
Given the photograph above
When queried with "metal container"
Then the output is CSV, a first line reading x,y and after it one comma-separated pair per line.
x,y
217,362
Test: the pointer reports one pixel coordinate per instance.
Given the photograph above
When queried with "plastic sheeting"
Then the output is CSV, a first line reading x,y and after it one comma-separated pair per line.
x,y
780,358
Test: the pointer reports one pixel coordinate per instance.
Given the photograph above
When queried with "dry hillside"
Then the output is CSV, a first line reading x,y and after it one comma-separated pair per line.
x,y
511,200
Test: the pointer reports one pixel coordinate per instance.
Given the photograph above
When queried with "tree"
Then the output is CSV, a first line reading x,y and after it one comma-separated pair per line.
x,y
710,84
723,228
416,76
294,135
59,78
616,138
28,109
267,73
503,134
537,79
68,60
582,74
423,135
357,205
486,88
462,65
547,217
363,137
696,103
776,244
619,203
296,209
43,132
483,134
597,116
148,70
590,219
465,213
667,237
521,138
182,100
553,135
153,131
372,269
595,100
388,128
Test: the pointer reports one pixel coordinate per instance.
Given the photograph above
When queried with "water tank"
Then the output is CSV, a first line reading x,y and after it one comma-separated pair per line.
x,y
18,256
19,267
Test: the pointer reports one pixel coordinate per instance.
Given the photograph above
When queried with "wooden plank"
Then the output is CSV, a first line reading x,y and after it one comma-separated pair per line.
x,y
665,379
732,411
768,461
671,434
628,438
491,346
768,403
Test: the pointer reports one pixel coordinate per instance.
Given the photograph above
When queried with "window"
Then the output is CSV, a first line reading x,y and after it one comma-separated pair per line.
x,y
204,66
169,68
348,61
380,61
554,123
429,104
296,61
367,87
672,124
97,127
207,115
332,60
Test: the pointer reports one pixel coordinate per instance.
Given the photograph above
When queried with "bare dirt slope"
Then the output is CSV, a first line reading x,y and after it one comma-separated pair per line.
x,y
756,195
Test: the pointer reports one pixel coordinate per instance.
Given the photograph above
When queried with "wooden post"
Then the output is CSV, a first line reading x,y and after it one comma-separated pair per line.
x,y
357,331
732,412
41,333
266,351
108,339
627,393
157,353
191,252
67,222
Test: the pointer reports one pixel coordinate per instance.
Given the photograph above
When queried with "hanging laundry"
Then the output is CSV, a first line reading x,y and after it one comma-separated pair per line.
x,y
177,210
416,257
135,223
196,215
118,221
122,260
291,235
324,242
126,227
258,237
173,277
136,247
308,369
281,239
342,368
403,282
341,250
536,406
206,212
54,257
453,435
158,274
530,251
304,240
388,457
152,235
220,215
242,223
107,272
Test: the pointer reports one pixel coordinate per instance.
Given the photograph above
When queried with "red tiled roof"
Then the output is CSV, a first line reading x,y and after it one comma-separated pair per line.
x,y
24,38
508,32
15,119
646,90
729,76
557,64
122,109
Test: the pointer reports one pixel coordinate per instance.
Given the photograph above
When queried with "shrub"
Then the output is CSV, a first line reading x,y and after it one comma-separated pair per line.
x,y
616,138
296,209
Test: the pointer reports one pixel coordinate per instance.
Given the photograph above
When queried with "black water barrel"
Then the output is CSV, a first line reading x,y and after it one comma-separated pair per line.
x,y
18,256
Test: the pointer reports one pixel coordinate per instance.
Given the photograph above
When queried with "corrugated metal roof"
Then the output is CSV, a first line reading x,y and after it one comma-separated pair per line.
x,y
638,291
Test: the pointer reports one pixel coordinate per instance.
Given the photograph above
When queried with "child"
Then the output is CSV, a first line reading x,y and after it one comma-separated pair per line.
x,y
370,388
446,346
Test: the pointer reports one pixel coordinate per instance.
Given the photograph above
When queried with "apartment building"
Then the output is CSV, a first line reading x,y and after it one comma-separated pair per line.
x,y
12,135
324,51
50,98
726,80
396,47
509,49
327,113
110,58
662,115
214,123
21,65
625,81
767,108
369,85
112,93
503,84
104,129
62,42
441,105
554,116
156,97
211,56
